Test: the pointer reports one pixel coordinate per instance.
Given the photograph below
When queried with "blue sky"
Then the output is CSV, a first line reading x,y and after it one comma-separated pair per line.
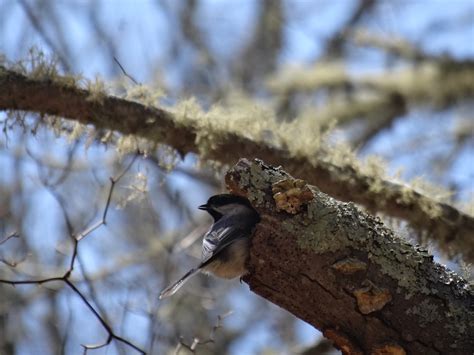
x,y
142,34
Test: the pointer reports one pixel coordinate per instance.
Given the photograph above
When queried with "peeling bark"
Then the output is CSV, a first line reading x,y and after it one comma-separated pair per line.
x,y
347,274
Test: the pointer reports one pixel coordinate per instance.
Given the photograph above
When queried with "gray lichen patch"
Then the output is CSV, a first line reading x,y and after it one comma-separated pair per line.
x,y
426,311
322,237
256,179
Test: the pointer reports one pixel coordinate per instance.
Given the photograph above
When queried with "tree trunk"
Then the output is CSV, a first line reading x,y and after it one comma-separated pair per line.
x,y
347,274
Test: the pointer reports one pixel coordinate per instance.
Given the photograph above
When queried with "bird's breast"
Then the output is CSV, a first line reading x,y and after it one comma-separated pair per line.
x,y
230,262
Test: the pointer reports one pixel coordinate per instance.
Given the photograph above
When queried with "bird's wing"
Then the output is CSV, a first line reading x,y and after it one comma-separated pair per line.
x,y
217,239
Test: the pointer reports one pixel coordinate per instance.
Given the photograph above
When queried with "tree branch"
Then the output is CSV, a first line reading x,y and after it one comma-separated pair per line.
x,y
66,277
452,228
345,273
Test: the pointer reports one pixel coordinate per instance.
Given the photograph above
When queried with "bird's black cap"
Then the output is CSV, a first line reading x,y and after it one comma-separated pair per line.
x,y
225,199
222,200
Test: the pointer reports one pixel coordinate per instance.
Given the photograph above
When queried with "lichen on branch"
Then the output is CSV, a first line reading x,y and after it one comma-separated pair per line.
x,y
220,136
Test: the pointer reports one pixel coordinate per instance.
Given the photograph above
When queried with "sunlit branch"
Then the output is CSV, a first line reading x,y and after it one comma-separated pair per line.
x,y
450,227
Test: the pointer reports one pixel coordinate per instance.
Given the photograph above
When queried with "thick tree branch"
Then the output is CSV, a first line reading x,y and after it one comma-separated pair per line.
x,y
344,272
444,223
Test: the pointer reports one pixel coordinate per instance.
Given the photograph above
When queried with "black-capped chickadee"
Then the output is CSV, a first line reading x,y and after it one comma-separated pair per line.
x,y
225,246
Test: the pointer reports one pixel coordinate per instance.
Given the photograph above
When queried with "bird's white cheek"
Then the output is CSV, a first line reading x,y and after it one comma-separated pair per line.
x,y
234,264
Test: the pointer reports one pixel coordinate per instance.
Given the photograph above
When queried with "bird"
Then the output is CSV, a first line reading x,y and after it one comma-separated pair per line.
x,y
225,246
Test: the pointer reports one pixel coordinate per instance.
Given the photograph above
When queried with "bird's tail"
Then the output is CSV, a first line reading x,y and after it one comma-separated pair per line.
x,y
171,290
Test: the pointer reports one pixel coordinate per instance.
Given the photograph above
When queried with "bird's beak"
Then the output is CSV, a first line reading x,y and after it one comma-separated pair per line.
x,y
204,207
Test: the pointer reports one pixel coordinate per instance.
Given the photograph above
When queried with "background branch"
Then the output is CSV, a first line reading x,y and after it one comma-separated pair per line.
x,y
65,278
452,229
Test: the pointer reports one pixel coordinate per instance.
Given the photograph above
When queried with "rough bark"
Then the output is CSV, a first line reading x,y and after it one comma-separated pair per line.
x,y
348,275
451,228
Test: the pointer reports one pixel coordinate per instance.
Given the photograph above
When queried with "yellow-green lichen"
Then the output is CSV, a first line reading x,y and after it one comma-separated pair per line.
x,y
252,120
97,90
77,132
321,75
144,94
132,144
37,65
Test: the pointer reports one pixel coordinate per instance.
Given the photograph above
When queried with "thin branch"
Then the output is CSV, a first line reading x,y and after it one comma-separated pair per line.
x,y
395,46
103,221
8,237
66,277
334,45
106,326
125,73
64,170
39,27
30,282
196,341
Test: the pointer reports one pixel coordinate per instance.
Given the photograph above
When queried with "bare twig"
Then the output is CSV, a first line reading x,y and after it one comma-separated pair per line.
x,y
125,73
39,27
8,237
196,341
65,278
65,170
335,43
103,221
13,263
